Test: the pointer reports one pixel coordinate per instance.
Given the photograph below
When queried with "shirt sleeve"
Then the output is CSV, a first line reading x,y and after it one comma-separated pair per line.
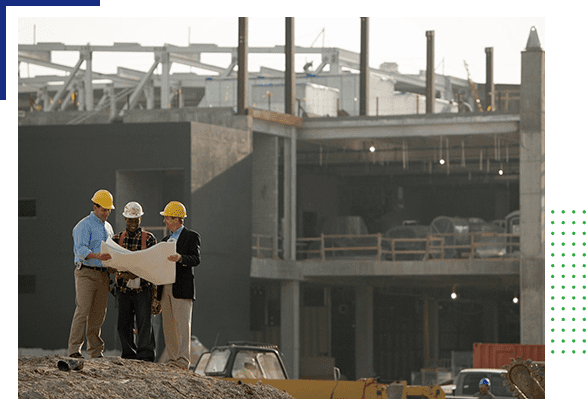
x,y
81,241
192,256
151,240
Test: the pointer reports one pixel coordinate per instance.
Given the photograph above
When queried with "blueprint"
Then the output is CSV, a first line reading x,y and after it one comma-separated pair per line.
x,y
150,264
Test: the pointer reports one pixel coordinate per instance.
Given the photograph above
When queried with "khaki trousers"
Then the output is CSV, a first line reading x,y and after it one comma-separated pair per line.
x,y
176,314
91,304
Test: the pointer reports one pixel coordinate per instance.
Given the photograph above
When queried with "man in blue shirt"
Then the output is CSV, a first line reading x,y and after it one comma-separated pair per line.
x,y
92,279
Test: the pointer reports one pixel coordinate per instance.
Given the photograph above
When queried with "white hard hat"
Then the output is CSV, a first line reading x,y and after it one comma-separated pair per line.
x,y
132,210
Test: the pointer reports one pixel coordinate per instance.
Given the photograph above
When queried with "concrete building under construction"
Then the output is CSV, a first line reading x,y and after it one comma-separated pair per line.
x,y
341,208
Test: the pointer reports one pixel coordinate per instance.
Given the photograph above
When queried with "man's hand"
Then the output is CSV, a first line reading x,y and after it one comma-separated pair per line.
x,y
102,256
175,258
99,256
125,276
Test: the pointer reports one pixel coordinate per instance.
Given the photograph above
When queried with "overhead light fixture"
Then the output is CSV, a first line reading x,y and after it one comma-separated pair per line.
x,y
515,298
442,161
454,295
372,149
501,172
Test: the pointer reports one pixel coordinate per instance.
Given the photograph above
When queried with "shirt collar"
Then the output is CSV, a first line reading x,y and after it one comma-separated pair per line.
x,y
133,234
93,215
177,232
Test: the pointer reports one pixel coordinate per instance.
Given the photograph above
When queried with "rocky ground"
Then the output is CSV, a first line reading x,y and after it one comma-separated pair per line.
x,y
112,377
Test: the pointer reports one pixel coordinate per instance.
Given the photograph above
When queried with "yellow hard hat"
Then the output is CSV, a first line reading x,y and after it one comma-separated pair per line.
x,y
175,209
104,199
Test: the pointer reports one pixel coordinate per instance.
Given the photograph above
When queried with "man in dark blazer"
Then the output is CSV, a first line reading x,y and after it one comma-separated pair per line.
x,y
177,298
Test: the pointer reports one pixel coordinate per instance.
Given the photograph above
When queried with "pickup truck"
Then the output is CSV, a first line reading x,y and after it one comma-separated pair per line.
x,y
467,383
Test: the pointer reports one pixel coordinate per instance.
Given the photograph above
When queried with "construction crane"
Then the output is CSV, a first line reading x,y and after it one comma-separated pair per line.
x,y
473,86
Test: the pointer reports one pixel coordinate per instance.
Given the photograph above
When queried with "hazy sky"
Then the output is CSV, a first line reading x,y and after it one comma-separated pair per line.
x,y
400,40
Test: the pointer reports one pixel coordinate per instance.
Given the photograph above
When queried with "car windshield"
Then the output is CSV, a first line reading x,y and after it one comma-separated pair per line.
x,y
217,361
497,387
201,364
253,364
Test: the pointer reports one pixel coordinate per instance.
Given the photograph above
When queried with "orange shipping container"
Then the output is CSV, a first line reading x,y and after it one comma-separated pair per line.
x,y
498,355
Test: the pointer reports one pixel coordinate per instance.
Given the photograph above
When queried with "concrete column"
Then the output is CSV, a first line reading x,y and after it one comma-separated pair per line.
x,y
290,65
290,308
149,93
430,332
290,196
242,102
165,81
265,190
489,87
532,192
364,332
364,73
112,94
88,78
81,97
430,73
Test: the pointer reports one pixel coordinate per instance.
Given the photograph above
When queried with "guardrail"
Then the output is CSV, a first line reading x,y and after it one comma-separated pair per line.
x,y
262,249
377,247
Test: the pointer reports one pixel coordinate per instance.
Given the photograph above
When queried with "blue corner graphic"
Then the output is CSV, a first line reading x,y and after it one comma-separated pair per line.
x,y
31,3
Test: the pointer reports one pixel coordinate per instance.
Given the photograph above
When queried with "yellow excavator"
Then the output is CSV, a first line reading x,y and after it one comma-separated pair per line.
x,y
253,363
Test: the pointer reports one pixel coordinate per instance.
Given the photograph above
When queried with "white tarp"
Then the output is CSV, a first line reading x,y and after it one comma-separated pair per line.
x,y
151,264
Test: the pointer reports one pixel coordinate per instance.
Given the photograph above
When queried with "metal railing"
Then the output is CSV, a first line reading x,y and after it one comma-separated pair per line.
x,y
438,246
261,248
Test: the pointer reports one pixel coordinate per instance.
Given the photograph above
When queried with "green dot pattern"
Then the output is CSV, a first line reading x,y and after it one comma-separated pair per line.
x,y
566,286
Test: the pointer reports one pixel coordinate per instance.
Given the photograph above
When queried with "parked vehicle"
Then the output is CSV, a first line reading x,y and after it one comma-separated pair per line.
x,y
251,363
467,383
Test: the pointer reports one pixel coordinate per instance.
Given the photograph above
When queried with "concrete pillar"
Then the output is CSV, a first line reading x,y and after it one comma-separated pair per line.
x,y
242,102
88,78
46,98
81,97
364,332
430,332
265,190
289,65
532,192
364,74
430,73
149,93
112,94
489,87
290,196
290,308
165,81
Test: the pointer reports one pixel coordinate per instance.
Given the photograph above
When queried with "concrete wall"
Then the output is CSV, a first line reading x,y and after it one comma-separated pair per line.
x,y
265,189
221,211
62,166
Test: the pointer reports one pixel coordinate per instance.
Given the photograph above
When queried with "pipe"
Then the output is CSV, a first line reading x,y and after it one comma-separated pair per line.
x,y
430,73
364,86
242,65
289,65
489,87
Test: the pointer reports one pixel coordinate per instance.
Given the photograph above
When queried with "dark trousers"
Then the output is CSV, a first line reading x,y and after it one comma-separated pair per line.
x,y
131,305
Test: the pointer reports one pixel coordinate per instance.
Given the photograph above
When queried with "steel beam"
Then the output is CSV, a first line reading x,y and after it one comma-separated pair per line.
x,y
65,85
289,65
364,73
242,102
138,90
489,86
369,128
430,73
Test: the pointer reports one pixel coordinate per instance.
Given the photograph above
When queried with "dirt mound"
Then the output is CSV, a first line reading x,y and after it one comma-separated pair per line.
x,y
114,378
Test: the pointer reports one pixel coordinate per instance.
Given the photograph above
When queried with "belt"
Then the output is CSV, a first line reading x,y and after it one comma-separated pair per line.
x,y
100,269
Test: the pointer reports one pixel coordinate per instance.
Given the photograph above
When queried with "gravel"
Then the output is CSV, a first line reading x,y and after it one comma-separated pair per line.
x,y
112,377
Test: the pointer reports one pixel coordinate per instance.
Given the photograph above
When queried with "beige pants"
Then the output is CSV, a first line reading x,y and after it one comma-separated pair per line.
x,y
176,326
91,303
